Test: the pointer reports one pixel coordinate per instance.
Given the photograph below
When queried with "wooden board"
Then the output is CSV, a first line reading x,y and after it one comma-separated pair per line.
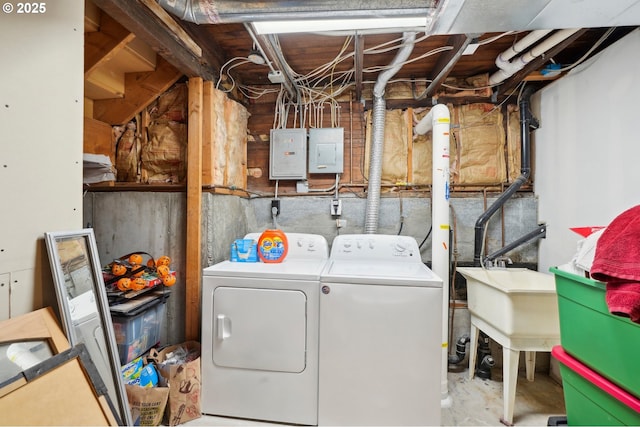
x,y
63,390
98,139
194,210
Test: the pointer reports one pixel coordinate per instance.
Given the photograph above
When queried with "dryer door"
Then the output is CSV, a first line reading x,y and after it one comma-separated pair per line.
x,y
260,329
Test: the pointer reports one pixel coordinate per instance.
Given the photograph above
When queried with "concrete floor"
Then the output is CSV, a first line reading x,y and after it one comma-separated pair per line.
x,y
475,402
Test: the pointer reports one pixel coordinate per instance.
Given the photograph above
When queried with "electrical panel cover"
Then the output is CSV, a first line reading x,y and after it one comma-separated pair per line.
x,y
288,154
326,150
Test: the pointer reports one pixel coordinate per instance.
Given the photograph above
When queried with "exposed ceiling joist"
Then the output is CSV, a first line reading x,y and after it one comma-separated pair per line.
x,y
445,63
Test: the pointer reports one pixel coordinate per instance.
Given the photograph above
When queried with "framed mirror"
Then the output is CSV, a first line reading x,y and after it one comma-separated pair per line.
x,y
84,309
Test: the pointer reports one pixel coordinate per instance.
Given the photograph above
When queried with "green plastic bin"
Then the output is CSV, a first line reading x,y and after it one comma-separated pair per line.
x,y
591,400
608,344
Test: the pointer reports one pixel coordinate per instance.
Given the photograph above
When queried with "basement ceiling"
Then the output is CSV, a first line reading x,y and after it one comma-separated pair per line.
x,y
344,64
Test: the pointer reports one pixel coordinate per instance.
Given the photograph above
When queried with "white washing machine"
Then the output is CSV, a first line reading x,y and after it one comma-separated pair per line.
x,y
380,334
260,335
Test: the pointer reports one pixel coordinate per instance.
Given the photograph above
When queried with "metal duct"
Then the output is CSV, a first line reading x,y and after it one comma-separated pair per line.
x,y
377,143
230,11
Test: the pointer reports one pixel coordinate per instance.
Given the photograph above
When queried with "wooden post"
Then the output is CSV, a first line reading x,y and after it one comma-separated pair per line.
x,y
193,273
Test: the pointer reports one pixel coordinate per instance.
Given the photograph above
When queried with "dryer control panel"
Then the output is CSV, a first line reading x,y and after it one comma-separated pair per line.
x,y
375,247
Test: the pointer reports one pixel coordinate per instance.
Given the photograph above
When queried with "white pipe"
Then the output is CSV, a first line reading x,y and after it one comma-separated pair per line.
x,y
519,46
509,68
438,121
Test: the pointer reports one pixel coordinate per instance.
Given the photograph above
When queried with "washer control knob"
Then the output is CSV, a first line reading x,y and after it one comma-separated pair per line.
x,y
400,247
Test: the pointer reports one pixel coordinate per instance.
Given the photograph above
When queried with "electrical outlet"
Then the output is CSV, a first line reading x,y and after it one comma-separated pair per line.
x,y
336,207
275,204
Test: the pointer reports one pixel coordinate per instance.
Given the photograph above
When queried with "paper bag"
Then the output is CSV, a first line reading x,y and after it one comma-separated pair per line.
x,y
147,404
183,380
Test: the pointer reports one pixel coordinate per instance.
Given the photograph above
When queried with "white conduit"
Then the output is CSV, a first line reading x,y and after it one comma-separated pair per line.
x,y
508,67
521,45
372,212
438,121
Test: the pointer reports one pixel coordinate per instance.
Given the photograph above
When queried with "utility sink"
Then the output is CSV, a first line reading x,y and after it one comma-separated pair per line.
x,y
517,308
516,302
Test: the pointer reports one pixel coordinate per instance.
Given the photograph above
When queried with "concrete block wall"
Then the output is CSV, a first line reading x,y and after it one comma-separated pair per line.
x,y
156,222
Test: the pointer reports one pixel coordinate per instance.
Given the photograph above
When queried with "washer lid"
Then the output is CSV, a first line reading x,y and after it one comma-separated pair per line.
x,y
380,273
287,269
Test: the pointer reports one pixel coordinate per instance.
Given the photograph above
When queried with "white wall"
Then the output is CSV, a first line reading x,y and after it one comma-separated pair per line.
x,y
587,149
41,119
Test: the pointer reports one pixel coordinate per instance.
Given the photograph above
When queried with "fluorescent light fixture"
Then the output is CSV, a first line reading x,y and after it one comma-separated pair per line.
x,y
320,25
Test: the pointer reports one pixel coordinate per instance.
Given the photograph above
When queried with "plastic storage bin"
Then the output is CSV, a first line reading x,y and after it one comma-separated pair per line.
x,y
590,399
139,330
608,344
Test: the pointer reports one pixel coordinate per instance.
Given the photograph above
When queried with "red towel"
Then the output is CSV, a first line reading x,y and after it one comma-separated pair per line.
x,y
617,263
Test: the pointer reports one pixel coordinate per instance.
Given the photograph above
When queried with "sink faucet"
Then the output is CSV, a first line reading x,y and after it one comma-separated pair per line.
x,y
501,262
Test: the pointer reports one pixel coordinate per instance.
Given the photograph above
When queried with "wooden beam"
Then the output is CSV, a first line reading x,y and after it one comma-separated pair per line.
x,y
512,82
193,273
173,26
146,25
446,62
102,45
212,53
208,130
140,90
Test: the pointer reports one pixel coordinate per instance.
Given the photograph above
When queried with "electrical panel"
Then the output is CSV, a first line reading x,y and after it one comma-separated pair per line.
x,y
326,150
288,154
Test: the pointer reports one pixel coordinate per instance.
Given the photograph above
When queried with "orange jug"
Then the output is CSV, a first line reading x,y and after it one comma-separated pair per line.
x,y
273,246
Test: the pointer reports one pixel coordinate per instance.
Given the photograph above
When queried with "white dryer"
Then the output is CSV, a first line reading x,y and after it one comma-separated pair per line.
x,y
260,335
380,334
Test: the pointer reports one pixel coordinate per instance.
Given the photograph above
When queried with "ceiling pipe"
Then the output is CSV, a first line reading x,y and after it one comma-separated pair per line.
x,y
508,67
438,121
377,143
231,11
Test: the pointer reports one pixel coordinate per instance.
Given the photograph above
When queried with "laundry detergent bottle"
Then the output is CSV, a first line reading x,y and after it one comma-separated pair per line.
x,y
273,246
